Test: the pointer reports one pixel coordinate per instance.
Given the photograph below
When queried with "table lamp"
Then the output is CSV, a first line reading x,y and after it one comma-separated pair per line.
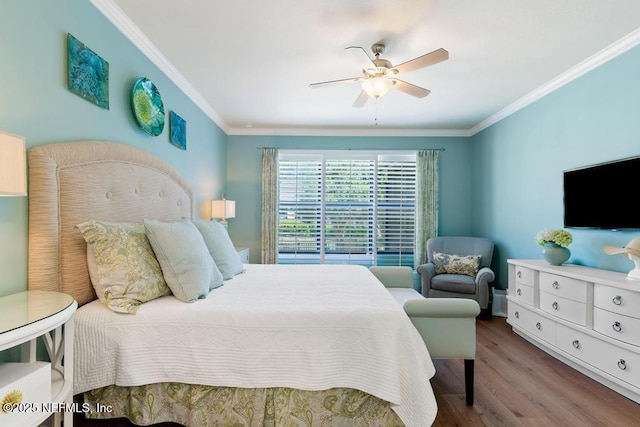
x,y
223,209
13,165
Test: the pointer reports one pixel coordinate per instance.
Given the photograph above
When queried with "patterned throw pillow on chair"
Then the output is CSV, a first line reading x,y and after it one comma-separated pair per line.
x,y
456,264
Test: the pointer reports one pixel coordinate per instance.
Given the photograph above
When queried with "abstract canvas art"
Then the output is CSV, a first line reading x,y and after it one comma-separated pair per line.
x,y
178,131
88,73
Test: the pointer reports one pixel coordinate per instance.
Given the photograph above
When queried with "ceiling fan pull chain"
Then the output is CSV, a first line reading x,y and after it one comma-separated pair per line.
x,y
375,115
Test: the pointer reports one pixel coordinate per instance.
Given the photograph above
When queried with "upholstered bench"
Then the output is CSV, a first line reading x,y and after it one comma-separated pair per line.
x,y
447,325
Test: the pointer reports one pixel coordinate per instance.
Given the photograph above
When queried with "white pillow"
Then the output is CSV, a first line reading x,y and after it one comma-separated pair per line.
x,y
184,259
221,248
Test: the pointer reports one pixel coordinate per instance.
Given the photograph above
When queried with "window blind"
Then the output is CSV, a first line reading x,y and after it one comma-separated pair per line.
x,y
341,207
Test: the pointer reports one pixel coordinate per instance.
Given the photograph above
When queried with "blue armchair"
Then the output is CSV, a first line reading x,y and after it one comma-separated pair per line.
x,y
445,285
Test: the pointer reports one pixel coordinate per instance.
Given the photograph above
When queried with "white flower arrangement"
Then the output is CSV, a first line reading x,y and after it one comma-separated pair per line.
x,y
558,237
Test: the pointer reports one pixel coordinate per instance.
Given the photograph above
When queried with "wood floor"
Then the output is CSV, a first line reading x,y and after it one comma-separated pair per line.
x,y
516,384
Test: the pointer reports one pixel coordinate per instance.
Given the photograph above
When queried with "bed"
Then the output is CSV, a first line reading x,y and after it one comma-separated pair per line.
x,y
274,345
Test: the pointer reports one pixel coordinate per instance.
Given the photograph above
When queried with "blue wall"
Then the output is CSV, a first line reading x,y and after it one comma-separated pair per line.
x,y
244,164
36,103
517,179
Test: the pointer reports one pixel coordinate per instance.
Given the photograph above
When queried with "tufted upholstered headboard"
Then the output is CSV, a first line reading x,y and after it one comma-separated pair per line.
x,y
73,182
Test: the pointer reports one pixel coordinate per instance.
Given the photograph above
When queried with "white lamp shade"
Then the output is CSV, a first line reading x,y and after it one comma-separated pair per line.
x,y
223,209
377,86
13,165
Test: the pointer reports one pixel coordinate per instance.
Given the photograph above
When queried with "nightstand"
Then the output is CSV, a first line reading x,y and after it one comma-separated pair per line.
x,y
244,254
26,316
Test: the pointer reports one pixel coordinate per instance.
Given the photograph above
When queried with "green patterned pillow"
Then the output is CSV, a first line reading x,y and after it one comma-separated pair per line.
x,y
126,272
456,264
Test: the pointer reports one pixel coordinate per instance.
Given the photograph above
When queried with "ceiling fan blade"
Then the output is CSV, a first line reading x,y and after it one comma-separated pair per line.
x,y
408,88
329,82
361,100
423,61
363,51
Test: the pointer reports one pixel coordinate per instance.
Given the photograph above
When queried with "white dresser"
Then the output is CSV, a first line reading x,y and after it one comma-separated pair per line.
x,y
586,317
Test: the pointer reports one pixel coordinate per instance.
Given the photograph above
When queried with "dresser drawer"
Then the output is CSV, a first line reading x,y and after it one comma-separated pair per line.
x,y
609,358
564,308
533,323
524,276
524,293
618,326
617,300
564,286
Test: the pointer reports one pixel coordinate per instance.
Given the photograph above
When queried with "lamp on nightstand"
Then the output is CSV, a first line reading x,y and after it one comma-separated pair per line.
x,y
223,209
13,169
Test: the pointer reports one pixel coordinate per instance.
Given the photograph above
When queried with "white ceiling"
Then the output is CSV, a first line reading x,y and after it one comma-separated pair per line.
x,y
248,63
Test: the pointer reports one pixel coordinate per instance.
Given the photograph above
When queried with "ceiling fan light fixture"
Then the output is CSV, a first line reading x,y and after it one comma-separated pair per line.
x,y
377,79
377,86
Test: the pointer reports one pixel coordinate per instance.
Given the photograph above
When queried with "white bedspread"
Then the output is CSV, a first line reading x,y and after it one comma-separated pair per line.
x,y
310,327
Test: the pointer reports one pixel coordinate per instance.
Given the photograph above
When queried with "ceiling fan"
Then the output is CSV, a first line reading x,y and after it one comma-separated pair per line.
x,y
378,79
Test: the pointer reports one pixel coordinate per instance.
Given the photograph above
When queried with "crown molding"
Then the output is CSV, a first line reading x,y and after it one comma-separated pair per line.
x,y
346,132
122,22
624,44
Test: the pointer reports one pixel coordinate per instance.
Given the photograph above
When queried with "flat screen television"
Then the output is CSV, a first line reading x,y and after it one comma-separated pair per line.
x,y
603,196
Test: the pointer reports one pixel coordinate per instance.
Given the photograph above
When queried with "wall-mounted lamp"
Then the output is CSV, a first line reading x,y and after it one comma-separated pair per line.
x,y
223,209
13,165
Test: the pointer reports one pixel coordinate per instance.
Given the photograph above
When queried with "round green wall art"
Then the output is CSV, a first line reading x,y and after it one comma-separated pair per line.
x,y
147,106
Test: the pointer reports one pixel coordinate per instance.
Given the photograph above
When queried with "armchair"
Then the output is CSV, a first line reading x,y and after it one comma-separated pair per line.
x,y
446,285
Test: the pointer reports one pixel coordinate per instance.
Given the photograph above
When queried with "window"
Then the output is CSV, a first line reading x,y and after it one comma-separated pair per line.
x,y
346,208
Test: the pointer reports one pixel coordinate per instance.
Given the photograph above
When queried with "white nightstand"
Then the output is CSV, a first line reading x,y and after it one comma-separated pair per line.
x,y
244,254
24,317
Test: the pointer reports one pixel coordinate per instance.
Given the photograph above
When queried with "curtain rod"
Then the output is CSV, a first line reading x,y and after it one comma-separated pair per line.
x,y
357,149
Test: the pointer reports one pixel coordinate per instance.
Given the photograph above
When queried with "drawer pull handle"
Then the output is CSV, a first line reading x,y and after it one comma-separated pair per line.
x,y
539,326
622,364
576,344
519,292
517,314
616,326
519,274
617,300
555,305
555,285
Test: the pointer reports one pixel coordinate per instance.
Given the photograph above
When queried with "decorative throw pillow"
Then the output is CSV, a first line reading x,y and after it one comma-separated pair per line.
x,y
125,273
93,273
186,264
221,248
456,264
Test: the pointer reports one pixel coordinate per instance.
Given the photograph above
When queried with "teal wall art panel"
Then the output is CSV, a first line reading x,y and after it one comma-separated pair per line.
x,y
88,73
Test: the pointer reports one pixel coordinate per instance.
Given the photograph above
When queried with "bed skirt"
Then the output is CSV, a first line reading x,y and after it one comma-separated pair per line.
x,y
200,405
